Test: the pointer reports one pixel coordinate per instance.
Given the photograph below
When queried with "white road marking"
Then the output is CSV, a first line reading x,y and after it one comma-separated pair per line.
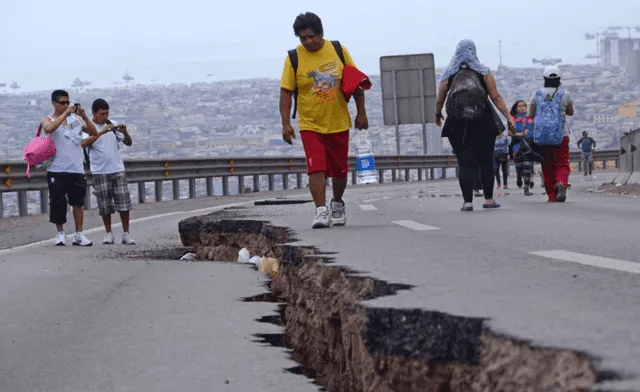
x,y
368,207
593,261
133,221
414,225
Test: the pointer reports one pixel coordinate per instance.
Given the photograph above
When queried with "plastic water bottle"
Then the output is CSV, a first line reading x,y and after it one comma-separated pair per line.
x,y
366,172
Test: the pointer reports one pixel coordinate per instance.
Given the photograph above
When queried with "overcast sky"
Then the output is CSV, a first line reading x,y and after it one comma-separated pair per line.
x,y
44,41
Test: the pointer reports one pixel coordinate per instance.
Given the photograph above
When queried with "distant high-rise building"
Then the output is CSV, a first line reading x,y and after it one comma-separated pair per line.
x,y
633,66
615,51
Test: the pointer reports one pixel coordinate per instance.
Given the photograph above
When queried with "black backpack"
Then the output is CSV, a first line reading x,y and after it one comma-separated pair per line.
x,y
293,56
467,97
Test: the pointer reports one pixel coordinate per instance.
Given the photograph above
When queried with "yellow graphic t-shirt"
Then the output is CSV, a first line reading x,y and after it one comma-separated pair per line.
x,y
321,105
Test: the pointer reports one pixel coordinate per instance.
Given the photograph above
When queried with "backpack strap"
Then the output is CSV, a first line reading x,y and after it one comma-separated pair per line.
x,y
293,57
39,130
557,96
338,47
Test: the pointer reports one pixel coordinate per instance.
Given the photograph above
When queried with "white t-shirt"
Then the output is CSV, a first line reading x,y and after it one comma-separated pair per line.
x,y
69,157
104,153
564,103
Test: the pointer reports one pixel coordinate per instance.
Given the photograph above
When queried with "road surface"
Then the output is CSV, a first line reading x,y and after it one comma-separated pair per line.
x,y
560,275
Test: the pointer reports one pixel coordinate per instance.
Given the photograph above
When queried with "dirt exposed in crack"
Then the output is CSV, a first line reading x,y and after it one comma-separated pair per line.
x,y
345,346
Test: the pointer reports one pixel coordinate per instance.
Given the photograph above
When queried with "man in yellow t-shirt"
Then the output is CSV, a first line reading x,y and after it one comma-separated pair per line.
x,y
324,119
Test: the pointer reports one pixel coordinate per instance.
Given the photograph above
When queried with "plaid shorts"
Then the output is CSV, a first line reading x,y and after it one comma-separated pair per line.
x,y
112,193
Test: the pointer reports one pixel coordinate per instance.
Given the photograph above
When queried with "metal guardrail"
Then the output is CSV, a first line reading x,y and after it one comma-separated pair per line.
x,y
141,171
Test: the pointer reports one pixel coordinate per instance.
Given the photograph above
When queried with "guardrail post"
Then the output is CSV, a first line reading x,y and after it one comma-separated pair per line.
x,y
87,199
381,176
141,193
604,165
158,190
192,188
354,177
419,174
285,181
22,203
394,175
617,163
444,173
1,206
44,201
580,168
256,183
240,185
175,185
457,172
432,173
299,180
210,188
407,175
272,182
225,185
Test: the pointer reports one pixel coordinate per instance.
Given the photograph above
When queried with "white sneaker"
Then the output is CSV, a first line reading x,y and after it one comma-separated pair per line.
x,y
127,239
338,214
109,238
322,219
61,239
81,240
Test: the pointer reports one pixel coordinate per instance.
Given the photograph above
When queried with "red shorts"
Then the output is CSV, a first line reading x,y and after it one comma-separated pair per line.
x,y
328,153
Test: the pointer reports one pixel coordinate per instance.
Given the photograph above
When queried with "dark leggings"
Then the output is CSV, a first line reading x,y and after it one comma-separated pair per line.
x,y
473,148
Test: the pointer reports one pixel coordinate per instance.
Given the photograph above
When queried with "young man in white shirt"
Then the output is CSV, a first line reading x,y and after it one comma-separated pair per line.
x,y
107,169
66,176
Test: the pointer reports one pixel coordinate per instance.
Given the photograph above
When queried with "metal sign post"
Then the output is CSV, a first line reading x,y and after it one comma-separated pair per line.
x,y
408,92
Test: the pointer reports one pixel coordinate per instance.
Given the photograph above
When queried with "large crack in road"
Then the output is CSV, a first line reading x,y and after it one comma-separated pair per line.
x,y
346,346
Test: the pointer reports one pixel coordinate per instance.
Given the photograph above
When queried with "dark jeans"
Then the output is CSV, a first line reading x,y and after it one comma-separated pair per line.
x,y
473,146
504,165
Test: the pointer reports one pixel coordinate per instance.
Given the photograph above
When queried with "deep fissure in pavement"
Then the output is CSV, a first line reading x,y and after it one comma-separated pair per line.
x,y
345,346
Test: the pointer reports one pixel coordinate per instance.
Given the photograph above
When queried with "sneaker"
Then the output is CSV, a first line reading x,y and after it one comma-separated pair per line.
x,y
322,219
127,239
561,193
338,214
109,239
61,239
81,240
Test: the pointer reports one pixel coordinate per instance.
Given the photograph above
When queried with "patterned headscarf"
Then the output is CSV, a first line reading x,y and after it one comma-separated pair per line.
x,y
465,53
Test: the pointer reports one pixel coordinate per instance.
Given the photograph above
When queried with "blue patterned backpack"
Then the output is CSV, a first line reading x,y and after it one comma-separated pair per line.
x,y
548,126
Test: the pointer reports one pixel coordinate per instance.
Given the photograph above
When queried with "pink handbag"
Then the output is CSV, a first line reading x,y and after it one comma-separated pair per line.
x,y
38,150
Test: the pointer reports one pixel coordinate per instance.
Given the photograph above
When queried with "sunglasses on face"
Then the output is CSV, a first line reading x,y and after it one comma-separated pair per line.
x,y
62,102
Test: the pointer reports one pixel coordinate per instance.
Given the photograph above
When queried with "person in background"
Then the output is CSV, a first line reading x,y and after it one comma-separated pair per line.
x,y
587,145
555,164
501,159
472,139
66,176
520,141
107,169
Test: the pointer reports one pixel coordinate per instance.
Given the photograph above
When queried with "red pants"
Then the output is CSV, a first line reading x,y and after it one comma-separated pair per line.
x,y
555,167
328,153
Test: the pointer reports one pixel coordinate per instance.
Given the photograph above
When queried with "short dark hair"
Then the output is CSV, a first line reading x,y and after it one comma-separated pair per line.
x,y
99,104
307,20
57,94
552,82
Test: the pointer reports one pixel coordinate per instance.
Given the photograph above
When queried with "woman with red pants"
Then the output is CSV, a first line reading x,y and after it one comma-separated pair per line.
x,y
555,164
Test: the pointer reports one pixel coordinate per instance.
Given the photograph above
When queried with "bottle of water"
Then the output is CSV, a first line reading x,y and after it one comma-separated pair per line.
x,y
366,172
